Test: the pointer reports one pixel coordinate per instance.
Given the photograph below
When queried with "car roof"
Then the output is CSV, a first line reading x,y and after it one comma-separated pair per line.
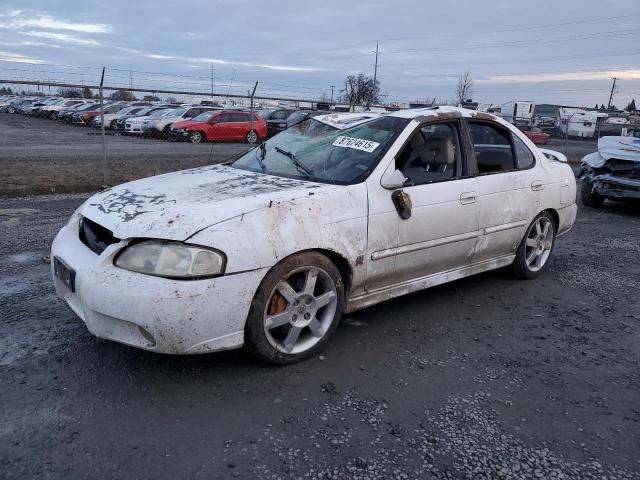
x,y
412,113
346,119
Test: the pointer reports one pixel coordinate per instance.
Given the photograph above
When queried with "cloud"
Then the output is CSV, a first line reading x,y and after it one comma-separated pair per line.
x,y
16,57
283,68
562,76
64,37
17,19
218,61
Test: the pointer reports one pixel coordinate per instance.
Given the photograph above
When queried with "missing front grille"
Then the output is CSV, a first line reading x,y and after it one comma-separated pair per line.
x,y
95,236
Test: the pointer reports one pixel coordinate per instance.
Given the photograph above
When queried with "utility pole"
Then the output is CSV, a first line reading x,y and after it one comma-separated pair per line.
x,y
375,68
131,79
332,87
375,72
230,85
613,87
104,147
212,82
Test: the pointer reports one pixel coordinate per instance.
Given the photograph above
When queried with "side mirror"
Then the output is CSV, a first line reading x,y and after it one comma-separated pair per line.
x,y
393,179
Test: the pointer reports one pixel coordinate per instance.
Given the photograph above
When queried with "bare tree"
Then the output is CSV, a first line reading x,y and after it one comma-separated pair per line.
x,y
360,90
123,94
70,92
465,87
324,98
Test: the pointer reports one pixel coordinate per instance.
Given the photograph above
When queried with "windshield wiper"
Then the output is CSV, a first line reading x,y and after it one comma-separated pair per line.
x,y
306,170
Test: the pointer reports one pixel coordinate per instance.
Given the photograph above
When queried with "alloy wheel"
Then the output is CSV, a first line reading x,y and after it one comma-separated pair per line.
x,y
300,310
539,243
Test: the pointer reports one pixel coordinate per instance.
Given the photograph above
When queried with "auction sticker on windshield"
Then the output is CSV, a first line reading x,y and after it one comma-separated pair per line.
x,y
356,143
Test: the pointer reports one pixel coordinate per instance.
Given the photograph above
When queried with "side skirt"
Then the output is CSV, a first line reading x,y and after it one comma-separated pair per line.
x,y
399,289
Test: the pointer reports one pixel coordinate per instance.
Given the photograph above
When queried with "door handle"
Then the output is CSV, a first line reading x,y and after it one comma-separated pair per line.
x,y
537,185
468,197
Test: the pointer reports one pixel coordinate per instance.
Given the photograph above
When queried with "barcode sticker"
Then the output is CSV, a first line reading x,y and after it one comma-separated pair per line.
x,y
355,143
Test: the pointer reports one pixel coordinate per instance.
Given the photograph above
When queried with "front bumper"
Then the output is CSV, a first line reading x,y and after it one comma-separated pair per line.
x,y
153,313
612,186
177,136
134,128
150,130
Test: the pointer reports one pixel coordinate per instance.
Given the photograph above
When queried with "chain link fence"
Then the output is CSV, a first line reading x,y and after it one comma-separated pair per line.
x,y
67,137
85,137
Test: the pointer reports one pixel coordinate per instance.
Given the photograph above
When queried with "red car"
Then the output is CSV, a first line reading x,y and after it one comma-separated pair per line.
x,y
537,136
220,125
88,116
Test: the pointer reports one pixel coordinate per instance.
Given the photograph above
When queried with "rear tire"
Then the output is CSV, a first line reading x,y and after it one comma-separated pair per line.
x,y
535,249
588,196
296,309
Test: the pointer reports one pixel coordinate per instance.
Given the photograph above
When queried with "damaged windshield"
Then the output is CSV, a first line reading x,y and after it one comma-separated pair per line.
x,y
315,151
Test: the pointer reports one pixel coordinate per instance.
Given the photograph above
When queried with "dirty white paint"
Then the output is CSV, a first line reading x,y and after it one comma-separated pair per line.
x,y
457,228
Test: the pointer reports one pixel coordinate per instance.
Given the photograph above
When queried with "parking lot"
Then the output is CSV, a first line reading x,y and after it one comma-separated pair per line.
x,y
487,377
44,156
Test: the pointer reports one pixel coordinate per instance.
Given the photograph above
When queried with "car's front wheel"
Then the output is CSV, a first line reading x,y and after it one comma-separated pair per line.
x,y
534,251
196,137
588,196
252,137
296,309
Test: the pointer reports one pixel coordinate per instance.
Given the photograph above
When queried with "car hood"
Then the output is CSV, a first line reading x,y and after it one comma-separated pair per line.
x,y
622,148
186,124
177,205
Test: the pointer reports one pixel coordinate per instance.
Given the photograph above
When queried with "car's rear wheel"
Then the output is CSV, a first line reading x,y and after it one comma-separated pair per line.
x,y
534,251
11,110
196,137
296,309
252,137
588,196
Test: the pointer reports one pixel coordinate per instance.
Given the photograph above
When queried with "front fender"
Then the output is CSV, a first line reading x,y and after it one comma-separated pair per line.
x,y
334,220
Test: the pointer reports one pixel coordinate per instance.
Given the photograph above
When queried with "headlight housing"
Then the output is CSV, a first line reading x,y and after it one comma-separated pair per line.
x,y
174,260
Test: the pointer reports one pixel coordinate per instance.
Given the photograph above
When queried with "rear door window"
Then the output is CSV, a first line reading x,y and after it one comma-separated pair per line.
x,y
493,148
279,115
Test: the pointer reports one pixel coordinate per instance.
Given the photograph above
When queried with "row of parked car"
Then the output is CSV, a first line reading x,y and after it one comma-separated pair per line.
x,y
170,121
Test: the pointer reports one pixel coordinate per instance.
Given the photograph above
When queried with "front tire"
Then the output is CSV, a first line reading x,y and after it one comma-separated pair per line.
x,y
252,137
588,196
296,309
196,137
534,252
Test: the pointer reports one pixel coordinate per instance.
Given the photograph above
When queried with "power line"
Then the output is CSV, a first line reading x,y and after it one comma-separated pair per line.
x,y
611,33
465,34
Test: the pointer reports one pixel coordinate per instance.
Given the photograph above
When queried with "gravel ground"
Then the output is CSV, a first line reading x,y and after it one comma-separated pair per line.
x,y
483,378
44,156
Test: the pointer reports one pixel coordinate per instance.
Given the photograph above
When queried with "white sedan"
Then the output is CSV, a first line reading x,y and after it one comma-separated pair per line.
x,y
270,250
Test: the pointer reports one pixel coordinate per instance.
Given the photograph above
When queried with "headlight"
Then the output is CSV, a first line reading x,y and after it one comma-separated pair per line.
x,y
171,260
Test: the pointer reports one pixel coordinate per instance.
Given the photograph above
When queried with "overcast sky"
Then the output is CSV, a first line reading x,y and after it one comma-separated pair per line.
x,y
546,51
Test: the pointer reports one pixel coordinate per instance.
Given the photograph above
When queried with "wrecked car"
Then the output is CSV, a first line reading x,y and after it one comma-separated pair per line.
x,y
613,172
271,250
